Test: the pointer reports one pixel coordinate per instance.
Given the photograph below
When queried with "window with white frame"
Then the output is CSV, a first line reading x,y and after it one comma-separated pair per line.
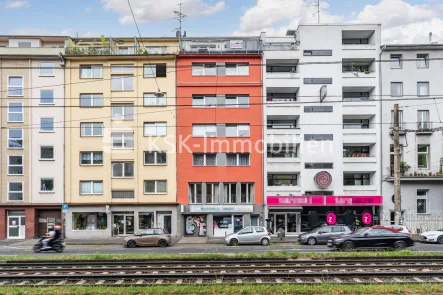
x,y
237,101
396,62
15,191
155,186
91,72
423,120
423,156
237,130
204,69
15,138
122,140
396,89
123,169
46,96
122,112
46,68
155,129
91,129
204,159
91,100
46,152
91,158
46,185
15,165
233,159
122,83
122,68
237,69
212,193
155,158
154,70
15,86
46,124
150,100
422,201
246,193
400,119
204,130
204,101
230,193
125,50
195,193
422,61
423,88
91,187
15,112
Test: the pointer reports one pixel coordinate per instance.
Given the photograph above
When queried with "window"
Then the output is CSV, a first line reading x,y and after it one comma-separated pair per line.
x,y
155,129
355,41
391,155
157,49
91,129
15,86
281,68
91,187
91,100
15,165
396,89
422,61
259,229
319,193
15,138
282,179
396,62
150,100
423,121
46,96
355,124
155,186
154,70
355,151
355,96
15,191
204,101
317,53
281,124
195,193
237,130
400,119
155,158
199,69
207,130
125,50
46,124
237,159
230,190
204,159
356,179
423,156
212,193
122,83
91,158
122,140
319,165
122,112
46,68
317,80
123,170
246,193
89,221
145,220
123,194
318,109
24,44
91,72
15,112
284,151
423,88
122,68
422,201
237,101
47,152
234,69
318,137
46,185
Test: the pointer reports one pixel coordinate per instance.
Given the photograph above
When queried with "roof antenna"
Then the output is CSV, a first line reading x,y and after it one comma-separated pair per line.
x,y
318,10
430,37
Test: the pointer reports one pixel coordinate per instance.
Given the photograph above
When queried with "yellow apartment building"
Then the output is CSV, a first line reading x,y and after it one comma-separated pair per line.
x,y
120,146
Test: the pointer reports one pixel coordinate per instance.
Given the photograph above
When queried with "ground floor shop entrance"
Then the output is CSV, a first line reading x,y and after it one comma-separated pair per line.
x,y
289,222
164,221
123,223
16,224
224,225
47,220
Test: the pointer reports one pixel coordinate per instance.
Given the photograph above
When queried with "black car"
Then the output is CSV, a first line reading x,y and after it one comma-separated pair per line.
x,y
372,237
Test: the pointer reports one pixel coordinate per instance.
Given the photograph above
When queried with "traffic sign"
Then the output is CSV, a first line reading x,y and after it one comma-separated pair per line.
x,y
65,208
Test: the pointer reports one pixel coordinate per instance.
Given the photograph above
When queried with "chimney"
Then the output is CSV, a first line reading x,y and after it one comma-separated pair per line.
x,y
430,37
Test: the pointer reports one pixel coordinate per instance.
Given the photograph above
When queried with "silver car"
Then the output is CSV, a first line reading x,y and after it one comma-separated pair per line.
x,y
249,235
322,234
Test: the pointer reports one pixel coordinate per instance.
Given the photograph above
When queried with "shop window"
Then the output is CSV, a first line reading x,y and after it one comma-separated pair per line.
x,y
212,193
246,193
195,193
230,190
145,220
223,225
89,221
195,225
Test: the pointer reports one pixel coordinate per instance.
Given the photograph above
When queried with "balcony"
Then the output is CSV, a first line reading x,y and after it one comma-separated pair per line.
x,y
78,50
279,136
359,43
207,46
363,190
433,173
360,136
280,104
283,165
424,128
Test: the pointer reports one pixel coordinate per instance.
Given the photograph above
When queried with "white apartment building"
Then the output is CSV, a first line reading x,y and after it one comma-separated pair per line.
x,y
411,77
324,154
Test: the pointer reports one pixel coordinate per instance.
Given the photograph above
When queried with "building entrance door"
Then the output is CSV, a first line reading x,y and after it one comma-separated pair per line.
x,y
165,222
289,222
16,227
123,224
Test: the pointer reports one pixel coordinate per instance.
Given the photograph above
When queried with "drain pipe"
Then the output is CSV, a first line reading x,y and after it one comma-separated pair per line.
x,y
380,89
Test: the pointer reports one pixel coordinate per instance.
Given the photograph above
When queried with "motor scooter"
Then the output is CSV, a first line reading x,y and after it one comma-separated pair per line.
x,y
57,245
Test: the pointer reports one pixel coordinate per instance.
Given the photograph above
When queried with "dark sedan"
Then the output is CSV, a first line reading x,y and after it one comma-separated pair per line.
x,y
372,237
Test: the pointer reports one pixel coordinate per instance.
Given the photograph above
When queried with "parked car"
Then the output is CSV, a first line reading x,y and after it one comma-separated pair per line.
x,y
372,237
435,236
149,237
401,228
249,235
322,234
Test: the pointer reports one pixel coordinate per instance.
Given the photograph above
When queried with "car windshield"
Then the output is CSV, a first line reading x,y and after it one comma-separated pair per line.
x,y
315,230
361,231
441,229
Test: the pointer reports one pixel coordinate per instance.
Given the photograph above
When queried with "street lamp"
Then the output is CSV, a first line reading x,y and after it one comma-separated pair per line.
x,y
159,93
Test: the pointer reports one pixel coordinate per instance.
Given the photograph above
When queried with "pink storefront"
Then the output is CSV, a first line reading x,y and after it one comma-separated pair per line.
x,y
295,214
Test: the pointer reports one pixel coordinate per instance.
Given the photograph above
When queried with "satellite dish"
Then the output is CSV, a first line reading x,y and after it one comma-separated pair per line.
x,y
323,92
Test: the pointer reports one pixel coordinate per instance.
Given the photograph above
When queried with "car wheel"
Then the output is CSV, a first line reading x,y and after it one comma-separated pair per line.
x,y
348,246
233,242
312,241
265,241
162,243
131,244
400,245
440,240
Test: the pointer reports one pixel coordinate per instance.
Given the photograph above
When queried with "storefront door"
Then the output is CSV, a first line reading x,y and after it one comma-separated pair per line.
x,y
16,227
289,222
238,222
165,221
123,224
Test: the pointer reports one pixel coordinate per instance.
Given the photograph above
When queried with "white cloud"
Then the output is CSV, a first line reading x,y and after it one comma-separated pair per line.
x,y
158,10
45,32
87,9
16,4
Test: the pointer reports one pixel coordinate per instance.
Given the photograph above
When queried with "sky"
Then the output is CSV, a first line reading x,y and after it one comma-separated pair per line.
x,y
403,21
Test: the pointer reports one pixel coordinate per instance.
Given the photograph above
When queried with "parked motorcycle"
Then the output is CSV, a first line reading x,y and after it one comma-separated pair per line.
x,y
57,246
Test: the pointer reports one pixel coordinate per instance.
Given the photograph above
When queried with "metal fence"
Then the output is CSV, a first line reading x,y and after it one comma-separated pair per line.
x,y
419,223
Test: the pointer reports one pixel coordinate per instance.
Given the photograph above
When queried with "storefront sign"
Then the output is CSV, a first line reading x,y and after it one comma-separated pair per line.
x,y
366,218
323,179
331,218
220,208
236,44
324,201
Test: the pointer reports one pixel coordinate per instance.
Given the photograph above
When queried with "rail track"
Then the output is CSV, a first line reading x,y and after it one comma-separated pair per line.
x,y
184,272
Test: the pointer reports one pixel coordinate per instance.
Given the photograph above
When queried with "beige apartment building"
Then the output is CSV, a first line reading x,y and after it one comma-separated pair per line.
x,y
120,163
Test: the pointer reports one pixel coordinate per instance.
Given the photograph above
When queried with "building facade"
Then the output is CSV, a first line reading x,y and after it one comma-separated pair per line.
x,y
219,135
120,171
32,116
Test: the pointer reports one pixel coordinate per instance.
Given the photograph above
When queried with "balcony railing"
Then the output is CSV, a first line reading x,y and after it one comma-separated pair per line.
x,y
424,127
119,50
281,46
422,172
281,99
